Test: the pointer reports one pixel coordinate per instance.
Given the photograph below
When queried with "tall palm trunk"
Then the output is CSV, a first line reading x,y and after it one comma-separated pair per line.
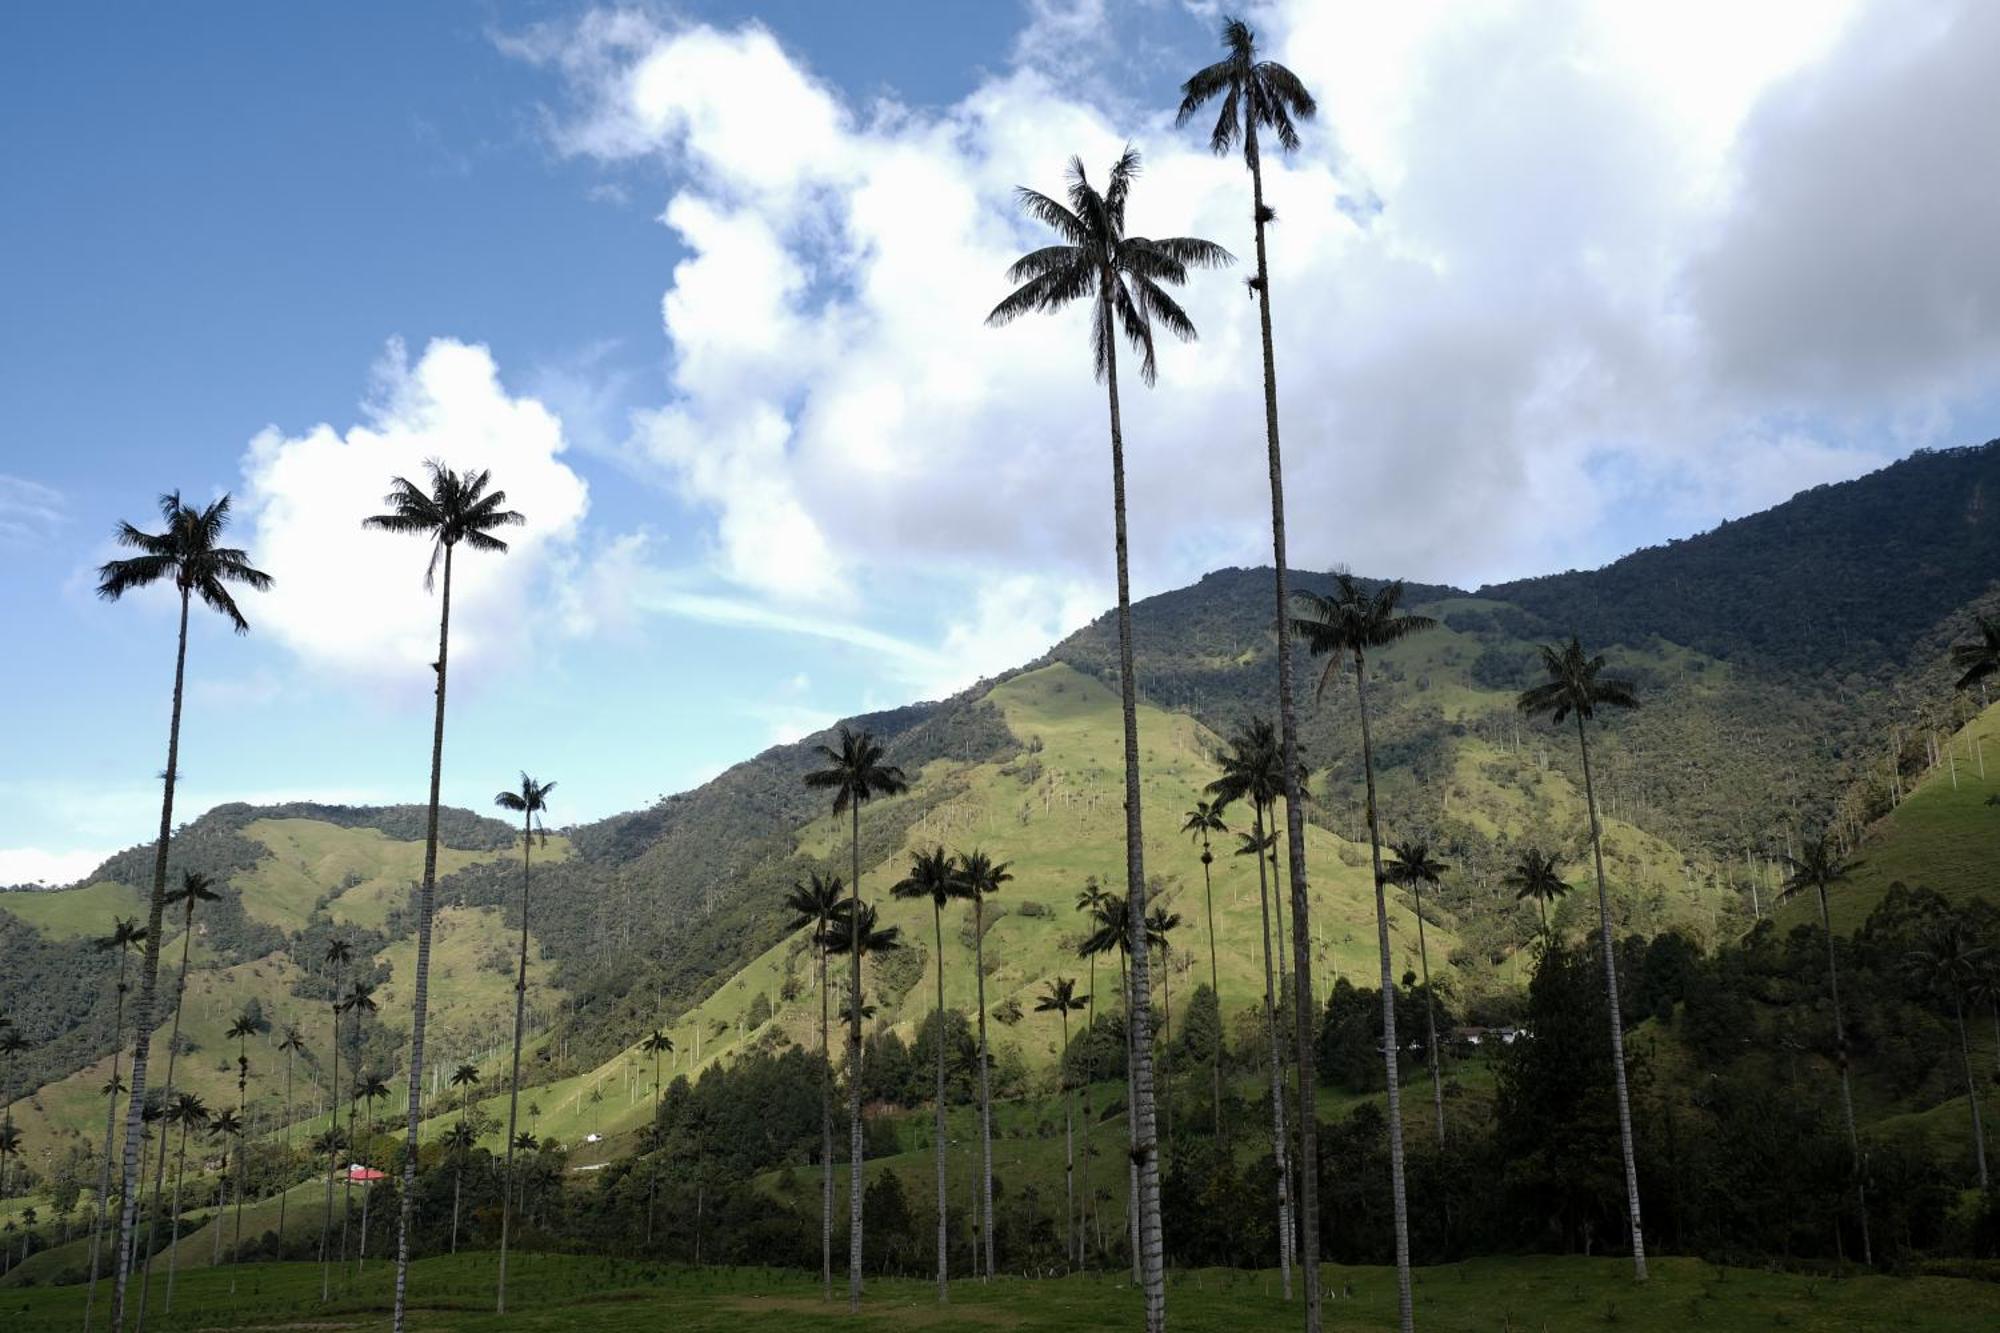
x,y
943,1238
985,1088
166,1095
243,1118
1295,829
283,1189
1131,1161
1430,1013
1971,1089
1089,1202
1145,1154
1070,1246
332,1155
457,1184
149,969
520,1022
856,1151
1278,1136
825,1134
110,1131
1214,982
1405,1310
427,896
1846,1087
174,1232
1617,1025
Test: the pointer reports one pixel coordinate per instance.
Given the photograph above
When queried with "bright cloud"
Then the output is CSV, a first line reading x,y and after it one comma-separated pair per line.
x,y
353,601
32,865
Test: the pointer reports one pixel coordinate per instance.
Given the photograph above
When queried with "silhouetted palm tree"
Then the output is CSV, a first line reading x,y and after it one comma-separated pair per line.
x,y
373,1087
529,802
246,1026
656,1044
1253,771
1059,997
227,1131
855,774
934,875
196,888
338,954
1262,95
1412,869
1537,875
359,1000
1125,278
1949,961
1092,898
814,905
458,1141
190,554
1576,684
126,934
1204,819
1349,625
979,879
186,1112
290,1045
1160,926
453,508
1978,658
1818,867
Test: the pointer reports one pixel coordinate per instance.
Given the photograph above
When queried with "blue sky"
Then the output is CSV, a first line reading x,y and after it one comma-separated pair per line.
x,y
704,284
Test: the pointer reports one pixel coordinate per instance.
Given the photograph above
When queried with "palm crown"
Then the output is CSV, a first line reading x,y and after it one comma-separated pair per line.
x,y
464,1075
188,553
979,876
1537,875
934,875
1253,767
1204,819
1413,865
816,903
1351,622
195,888
1256,94
1575,685
1818,866
1112,915
456,508
1059,997
854,771
841,936
1980,657
530,802
1125,276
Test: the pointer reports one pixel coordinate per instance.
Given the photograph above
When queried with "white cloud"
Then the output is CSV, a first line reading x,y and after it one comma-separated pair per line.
x,y
1539,268
353,601
29,511
32,865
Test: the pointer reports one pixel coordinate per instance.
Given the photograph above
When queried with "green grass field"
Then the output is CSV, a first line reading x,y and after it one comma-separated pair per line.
x,y
552,1292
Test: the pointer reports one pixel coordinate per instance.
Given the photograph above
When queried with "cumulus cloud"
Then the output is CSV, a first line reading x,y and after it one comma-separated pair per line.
x,y
32,865
353,601
1538,270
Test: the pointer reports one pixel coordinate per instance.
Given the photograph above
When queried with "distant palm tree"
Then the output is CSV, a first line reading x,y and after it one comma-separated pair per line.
x,y
186,1111
1818,867
524,1142
1949,961
1978,658
1412,869
10,1145
227,1131
529,802
1253,771
196,888
458,1141
359,1000
844,940
190,554
1111,918
1537,876
980,878
1258,94
451,509
12,1043
1346,627
1092,898
934,875
126,934
1200,822
1125,278
1059,997
374,1088
338,954
1576,684
246,1026
855,774
656,1044
814,906
1160,926
291,1045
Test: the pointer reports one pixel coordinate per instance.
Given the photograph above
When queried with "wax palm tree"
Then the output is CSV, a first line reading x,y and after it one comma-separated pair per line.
x,y
185,1112
814,904
1817,868
1059,997
529,802
458,1141
126,935
1160,926
190,554
1257,96
1537,876
452,508
1090,899
656,1044
855,774
1577,685
1253,770
1950,962
227,1130
1205,819
246,1026
980,877
844,940
1978,658
12,1043
1125,279
10,1145
291,1045
1413,868
338,954
195,889
359,1000
372,1087
1112,932
934,875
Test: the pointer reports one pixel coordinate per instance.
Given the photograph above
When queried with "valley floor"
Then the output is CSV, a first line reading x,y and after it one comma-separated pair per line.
x,y
560,1292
